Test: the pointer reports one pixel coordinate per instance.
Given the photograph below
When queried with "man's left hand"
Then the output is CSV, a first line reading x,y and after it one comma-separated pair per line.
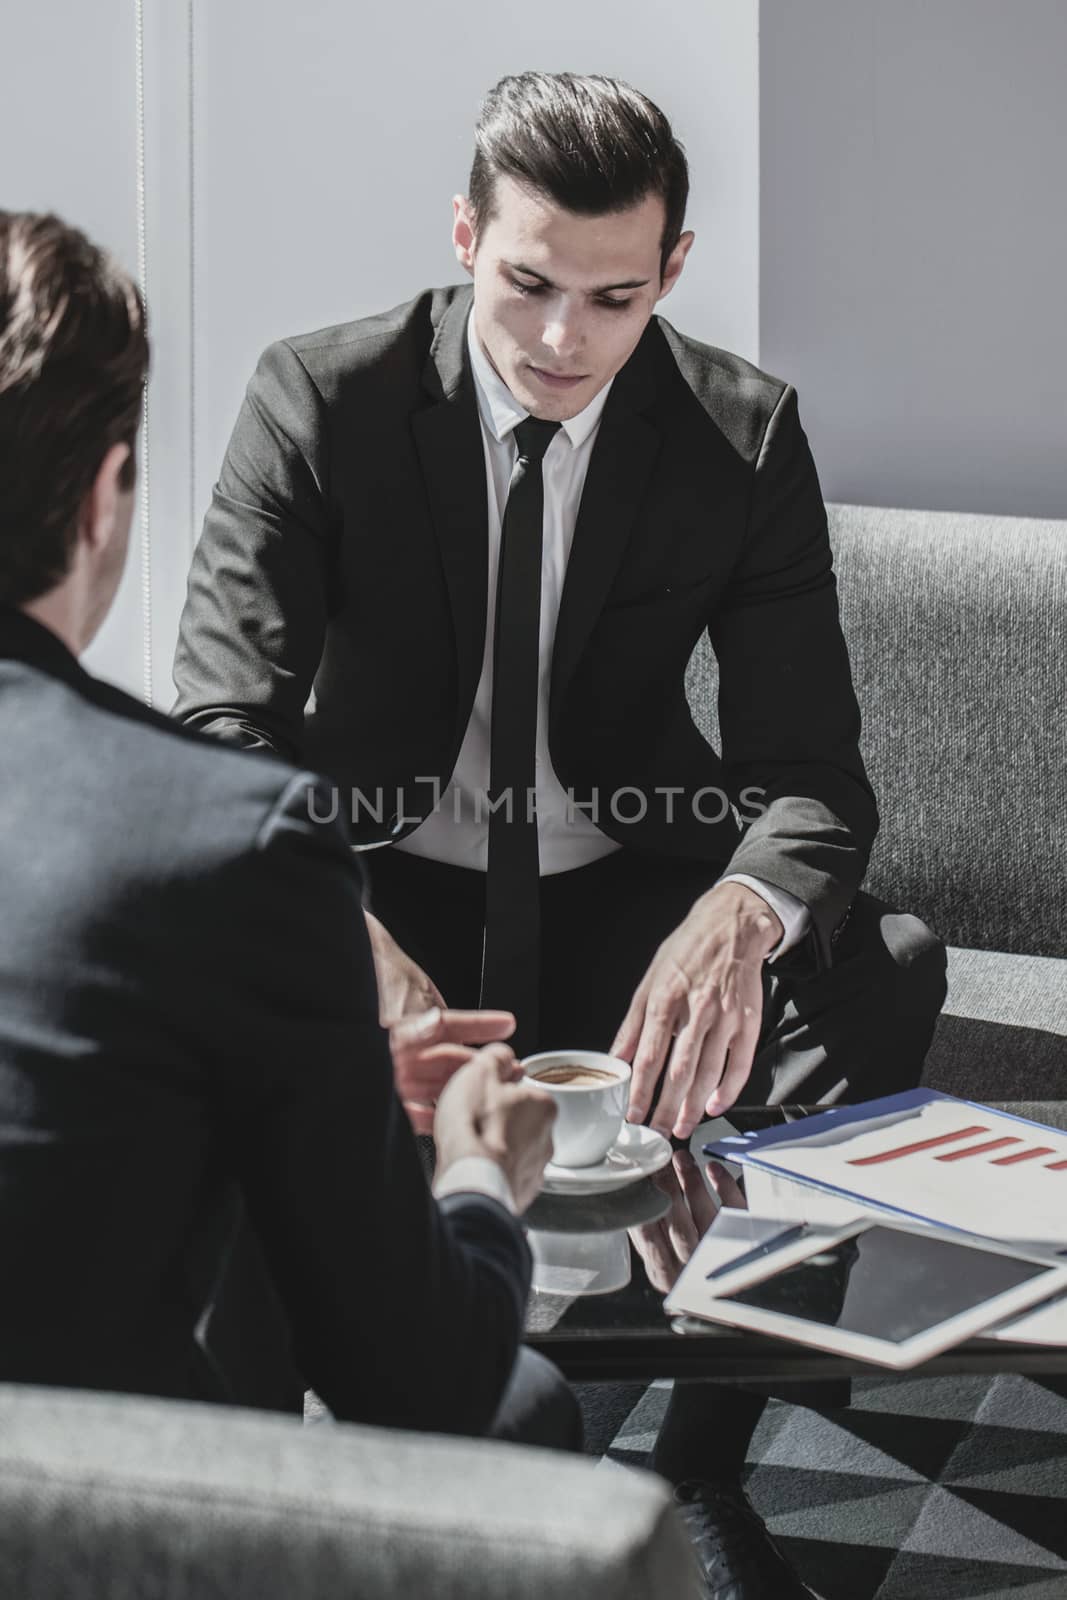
x,y
698,1008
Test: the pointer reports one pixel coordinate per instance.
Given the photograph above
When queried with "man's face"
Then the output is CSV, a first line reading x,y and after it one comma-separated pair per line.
x,y
561,300
105,527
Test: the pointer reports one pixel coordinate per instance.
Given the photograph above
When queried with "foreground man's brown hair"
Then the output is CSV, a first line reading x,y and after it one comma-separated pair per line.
x,y
73,362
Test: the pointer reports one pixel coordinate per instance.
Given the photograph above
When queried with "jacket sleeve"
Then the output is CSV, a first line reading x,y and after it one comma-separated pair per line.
x,y
252,629
404,1312
788,716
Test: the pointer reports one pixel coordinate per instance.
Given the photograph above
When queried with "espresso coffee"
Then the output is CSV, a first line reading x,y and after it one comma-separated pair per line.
x,y
575,1076
590,1090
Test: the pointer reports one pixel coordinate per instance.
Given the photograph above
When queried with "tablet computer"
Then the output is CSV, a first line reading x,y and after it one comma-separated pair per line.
x,y
878,1291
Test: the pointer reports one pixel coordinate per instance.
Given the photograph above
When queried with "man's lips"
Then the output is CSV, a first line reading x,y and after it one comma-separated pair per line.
x,y
556,380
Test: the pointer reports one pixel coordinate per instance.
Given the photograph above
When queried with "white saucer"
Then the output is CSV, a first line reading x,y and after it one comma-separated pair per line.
x,y
636,1153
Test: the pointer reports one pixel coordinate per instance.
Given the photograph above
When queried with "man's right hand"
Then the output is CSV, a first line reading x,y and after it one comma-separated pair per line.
x,y
486,1109
429,1047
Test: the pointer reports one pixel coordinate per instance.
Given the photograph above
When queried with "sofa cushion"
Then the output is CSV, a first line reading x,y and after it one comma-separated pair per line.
x,y
111,1498
1003,1032
955,629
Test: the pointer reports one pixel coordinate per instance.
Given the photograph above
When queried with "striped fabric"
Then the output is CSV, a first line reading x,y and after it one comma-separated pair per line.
x,y
1003,1032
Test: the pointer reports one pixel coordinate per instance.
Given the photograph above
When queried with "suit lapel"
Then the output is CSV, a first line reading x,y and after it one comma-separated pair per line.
x,y
448,439
623,456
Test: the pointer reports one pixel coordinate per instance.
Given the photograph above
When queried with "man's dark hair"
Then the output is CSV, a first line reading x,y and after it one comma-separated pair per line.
x,y
73,362
592,144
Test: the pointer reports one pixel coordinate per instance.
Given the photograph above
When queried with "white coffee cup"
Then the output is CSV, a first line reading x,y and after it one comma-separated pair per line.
x,y
589,1115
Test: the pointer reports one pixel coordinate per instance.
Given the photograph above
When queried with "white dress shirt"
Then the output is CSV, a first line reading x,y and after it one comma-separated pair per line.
x,y
476,1175
457,831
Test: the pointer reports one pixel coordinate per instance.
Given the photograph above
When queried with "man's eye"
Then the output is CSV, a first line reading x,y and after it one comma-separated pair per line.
x,y
539,288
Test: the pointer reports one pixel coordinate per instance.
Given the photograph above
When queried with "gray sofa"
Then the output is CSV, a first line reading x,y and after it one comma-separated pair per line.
x,y
113,1498
957,631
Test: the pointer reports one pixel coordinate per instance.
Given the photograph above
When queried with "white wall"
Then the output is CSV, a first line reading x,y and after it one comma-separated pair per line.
x,y
875,194
330,139
68,144
299,168
914,245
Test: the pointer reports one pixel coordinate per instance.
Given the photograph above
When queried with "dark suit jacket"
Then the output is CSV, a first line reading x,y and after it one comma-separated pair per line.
x,y
188,1010
345,551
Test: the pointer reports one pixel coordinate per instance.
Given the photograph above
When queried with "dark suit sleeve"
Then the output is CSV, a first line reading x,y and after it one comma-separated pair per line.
x,y
403,1312
787,712
252,629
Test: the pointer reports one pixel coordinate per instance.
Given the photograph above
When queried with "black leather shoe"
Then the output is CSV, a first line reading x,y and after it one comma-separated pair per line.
x,y
737,1557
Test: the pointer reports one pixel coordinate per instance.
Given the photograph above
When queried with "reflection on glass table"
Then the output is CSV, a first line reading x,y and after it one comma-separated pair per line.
x,y
575,1264
581,1247
624,1333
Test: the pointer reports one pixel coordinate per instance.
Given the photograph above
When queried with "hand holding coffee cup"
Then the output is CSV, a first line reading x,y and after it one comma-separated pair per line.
x,y
590,1090
429,1047
488,1109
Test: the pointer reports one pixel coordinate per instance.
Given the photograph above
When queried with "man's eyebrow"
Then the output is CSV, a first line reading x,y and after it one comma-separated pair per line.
x,y
606,288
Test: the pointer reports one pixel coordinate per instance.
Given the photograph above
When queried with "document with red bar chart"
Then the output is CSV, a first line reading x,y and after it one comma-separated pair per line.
x,y
927,1156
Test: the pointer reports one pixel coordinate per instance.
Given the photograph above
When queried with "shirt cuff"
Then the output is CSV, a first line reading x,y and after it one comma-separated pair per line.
x,y
475,1175
792,913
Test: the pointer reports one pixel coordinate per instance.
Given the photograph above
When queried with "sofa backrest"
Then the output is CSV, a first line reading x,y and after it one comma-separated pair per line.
x,y
956,631
106,1497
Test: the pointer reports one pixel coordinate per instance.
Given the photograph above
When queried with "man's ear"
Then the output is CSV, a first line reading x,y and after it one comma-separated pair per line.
x,y
675,263
100,508
463,239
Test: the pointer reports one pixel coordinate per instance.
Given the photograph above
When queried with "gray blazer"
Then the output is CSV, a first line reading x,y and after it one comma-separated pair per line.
x,y
188,1020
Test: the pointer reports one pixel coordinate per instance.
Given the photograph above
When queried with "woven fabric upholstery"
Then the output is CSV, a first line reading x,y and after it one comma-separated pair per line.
x,y
106,1497
956,630
1003,1032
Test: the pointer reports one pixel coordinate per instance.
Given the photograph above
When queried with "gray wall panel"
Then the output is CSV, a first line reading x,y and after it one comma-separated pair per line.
x,y
913,241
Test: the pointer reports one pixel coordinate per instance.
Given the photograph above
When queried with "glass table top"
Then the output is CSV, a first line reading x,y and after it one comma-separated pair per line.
x,y
603,1265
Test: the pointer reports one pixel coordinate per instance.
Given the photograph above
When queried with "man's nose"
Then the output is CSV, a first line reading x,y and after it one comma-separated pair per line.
x,y
562,333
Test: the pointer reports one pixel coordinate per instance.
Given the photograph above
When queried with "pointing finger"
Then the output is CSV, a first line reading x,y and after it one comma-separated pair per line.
x,y
476,1027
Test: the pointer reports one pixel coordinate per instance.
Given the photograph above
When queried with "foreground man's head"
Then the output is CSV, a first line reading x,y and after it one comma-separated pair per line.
x,y
73,361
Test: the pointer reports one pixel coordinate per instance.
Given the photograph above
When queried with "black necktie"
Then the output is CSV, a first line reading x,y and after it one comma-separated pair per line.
x,y
510,964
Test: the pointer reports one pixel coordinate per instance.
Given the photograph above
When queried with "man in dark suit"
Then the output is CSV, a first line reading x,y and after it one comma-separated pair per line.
x,y
459,556
189,1029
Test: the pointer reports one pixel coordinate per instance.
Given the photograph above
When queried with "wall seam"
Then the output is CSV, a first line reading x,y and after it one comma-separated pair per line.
x,y
759,183
192,275
142,274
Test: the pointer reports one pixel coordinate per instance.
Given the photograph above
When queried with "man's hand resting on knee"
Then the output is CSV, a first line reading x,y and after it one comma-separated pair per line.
x,y
698,1009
